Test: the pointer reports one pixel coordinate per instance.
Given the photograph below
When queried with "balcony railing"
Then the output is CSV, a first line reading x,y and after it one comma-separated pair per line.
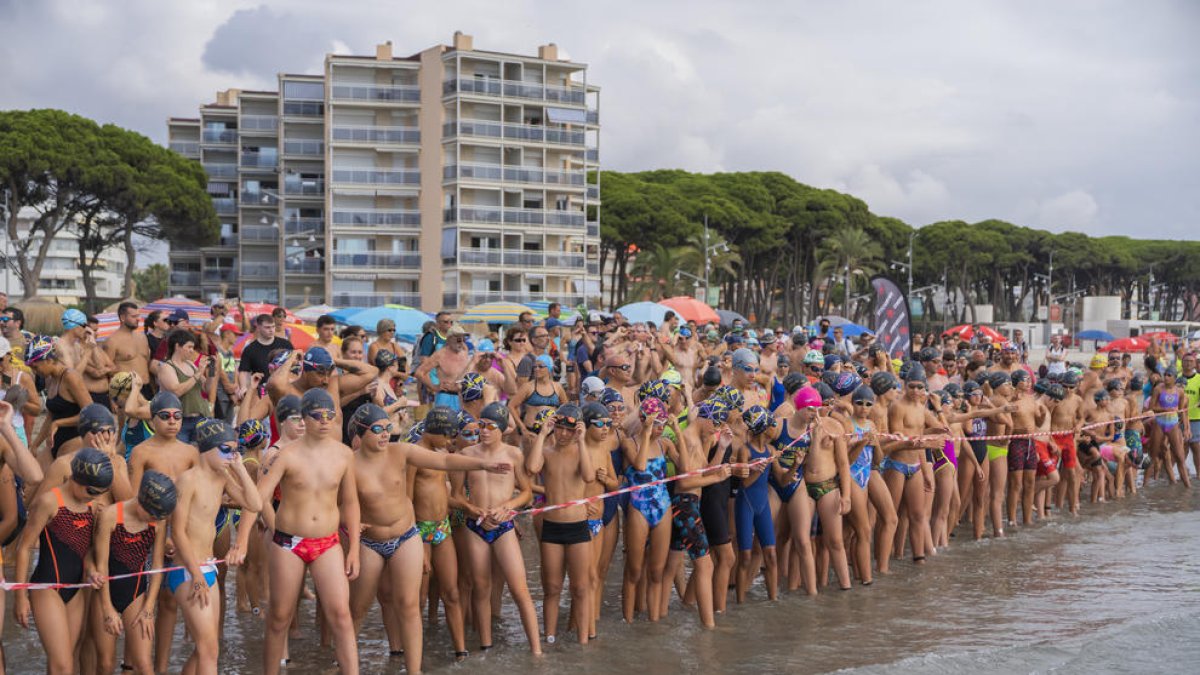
x,y
377,135
259,234
378,218
225,205
593,192
185,148
305,148
574,261
258,198
593,228
469,298
520,258
259,270
258,123
375,298
220,170
519,132
593,117
304,226
311,188
591,155
397,93
514,89
218,276
411,260
260,160
304,266
377,177
593,267
514,174
219,136
515,216
303,109
184,279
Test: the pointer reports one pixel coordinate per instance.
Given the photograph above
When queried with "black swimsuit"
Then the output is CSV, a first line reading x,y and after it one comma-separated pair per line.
x,y
65,541
60,408
714,504
128,552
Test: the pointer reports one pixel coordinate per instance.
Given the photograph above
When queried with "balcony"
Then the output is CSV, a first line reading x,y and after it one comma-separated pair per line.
x,y
228,241
259,270
592,155
260,160
575,261
310,148
304,189
408,259
304,266
377,135
375,298
471,298
185,148
593,228
515,216
397,93
513,89
301,226
259,198
220,170
593,192
593,117
258,123
519,132
184,279
377,177
388,218
220,276
593,267
314,110
514,174
219,136
259,234
225,205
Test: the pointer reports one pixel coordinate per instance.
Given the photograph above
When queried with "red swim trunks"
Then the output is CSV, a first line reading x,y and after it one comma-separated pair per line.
x,y
1066,445
307,549
1047,464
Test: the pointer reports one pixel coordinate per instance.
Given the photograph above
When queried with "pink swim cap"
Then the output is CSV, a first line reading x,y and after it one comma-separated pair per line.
x,y
807,397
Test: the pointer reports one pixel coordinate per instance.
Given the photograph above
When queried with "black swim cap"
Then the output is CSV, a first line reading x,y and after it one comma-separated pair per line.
x,y
442,421
495,412
316,399
384,359
92,468
1018,376
366,415
594,411
157,494
95,417
1114,384
863,394
1070,379
212,433
882,382
998,379
568,413
929,354
793,382
916,373
1056,392
288,406
970,387
1101,395
954,389
1042,386
712,376
825,391
164,400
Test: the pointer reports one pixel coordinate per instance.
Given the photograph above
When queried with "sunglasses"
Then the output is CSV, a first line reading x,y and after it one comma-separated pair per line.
x,y
600,424
5,319
95,491
624,366
165,415
380,428
538,364
519,340
322,415
865,404
489,426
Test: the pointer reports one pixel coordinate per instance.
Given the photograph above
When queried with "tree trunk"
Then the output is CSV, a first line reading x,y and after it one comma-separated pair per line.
x,y
127,289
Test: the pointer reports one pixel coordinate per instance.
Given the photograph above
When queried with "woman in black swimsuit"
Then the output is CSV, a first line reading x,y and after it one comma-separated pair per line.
x,y
66,394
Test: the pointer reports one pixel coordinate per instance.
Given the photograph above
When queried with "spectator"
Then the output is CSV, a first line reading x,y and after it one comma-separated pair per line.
x,y
256,356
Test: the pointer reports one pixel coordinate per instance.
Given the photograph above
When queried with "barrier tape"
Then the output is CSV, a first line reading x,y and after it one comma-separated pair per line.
x,y
45,586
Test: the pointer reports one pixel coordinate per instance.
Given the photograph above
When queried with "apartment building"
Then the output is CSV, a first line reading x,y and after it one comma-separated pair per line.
x,y
444,179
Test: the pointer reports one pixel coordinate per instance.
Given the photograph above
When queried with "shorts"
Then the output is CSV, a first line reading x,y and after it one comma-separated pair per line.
x,y
1066,445
565,534
1195,425
1046,462
179,577
1022,456
687,526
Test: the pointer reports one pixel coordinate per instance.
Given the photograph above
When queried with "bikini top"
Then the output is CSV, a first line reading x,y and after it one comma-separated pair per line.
x,y
537,399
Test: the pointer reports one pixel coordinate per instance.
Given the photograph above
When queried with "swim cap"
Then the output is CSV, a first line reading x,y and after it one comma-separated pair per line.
x,y
882,382
442,421
1018,376
164,400
1114,384
783,361
845,383
792,382
92,468
541,419
318,359
1070,379
120,385
744,358
288,406
831,360
916,373
472,386
157,494
252,433
316,399
971,387
591,386
807,397
712,376
758,419
732,397
943,397
1136,382
73,318
1100,395
654,389
39,349
825,391
568,414
954,390
1056,392
593,411
863,395
671,378
654,408
713,409
998,379
464,418
278,360
1171,372
546,361
366,415
1042,386
211,433
95,417
414,433
495,412
685,332
928,354
384,359
1099,361
814,358
862,371
610,396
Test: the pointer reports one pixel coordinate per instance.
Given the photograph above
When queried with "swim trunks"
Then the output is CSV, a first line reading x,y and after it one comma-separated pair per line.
x,y
1046,462
1066,445
307,549
565,534
490,536
388,547
996,451
908,470
821,488
434,531
177,578
1022,456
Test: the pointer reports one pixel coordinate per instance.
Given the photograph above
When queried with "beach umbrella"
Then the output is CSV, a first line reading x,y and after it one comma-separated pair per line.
x,y
642,312
691,309
109,323
253,309
728,316
342,316
541,309
1194,335
311,314
408,321
1130,344
1161,336
1100,335
966,331
198,312
495,312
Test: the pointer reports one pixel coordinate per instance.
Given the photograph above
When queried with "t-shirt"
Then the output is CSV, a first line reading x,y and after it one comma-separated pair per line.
x,y
1191,385
256,356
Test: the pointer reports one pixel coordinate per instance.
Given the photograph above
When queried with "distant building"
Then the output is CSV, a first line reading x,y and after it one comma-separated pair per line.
x,y
61,279
440,180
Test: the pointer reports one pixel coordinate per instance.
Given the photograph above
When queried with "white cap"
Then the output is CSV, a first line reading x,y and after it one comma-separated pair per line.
x,y
5,347
592,386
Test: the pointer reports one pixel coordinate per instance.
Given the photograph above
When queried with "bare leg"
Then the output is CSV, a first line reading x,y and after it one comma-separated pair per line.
x,y
918,517
203,626
553,572
998,481
445,562
287,577
885,520
860,522
800,514
636,532
508,554
831,535
403,568
50,611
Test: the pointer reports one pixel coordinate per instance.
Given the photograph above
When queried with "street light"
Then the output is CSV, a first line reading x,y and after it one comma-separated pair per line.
x,y
708,250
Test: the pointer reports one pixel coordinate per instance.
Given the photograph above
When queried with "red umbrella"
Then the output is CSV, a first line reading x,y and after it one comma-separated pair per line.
x,y
1161,336
691,309
1132,344
256,308
967,331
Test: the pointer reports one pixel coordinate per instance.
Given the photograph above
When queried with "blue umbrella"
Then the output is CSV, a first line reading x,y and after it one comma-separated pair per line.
x,y
342,316
1103,336
408,321
849,329
641,312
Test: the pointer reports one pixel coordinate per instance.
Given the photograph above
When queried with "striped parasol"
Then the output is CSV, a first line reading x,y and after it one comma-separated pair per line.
x,y
109,323
541,308
198,312
495,312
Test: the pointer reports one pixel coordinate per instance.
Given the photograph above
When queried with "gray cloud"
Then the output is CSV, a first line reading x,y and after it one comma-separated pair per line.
x,y
1073,114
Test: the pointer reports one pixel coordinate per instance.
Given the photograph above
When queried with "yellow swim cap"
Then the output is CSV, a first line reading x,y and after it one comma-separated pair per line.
x,y
1099,361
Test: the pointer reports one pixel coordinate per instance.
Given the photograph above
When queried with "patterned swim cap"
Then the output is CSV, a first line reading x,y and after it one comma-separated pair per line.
x,y
472,387
251,433
654,408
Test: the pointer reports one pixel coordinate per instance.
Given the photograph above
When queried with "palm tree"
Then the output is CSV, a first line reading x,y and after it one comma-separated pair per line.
x,y
849,253
653,274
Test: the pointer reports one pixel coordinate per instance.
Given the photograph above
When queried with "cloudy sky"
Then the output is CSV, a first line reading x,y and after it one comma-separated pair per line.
x,y
1080,115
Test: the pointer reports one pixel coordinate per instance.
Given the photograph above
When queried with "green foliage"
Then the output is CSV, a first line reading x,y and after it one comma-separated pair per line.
x,y
151,282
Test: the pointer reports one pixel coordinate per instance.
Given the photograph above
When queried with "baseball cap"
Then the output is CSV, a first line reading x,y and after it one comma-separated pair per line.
x,y
229,328
178,316
73,318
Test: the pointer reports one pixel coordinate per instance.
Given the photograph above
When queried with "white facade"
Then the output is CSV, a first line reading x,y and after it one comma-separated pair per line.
x,y
61,279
